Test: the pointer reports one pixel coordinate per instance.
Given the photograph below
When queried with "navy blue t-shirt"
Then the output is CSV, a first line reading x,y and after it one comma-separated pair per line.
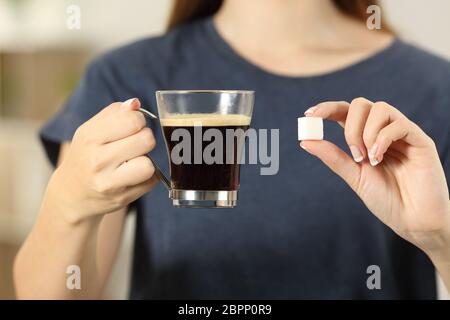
x,y
301,233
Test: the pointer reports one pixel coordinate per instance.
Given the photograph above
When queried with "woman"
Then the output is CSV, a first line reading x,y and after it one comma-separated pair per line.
x,y
301,233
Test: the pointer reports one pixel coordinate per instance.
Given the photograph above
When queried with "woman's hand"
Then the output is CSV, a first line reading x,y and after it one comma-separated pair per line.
x,y
395,170
106,166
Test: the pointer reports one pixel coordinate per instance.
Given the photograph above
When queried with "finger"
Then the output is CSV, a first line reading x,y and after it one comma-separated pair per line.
x,y
330,110
115,122
133,172
130,104
355,122
381,115
401,129
113,107
87,127
350,116
378,118
120,125
135,192
130,147
336,159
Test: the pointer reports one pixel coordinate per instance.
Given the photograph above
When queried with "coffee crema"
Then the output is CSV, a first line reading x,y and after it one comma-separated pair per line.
x,y
203,176
206,119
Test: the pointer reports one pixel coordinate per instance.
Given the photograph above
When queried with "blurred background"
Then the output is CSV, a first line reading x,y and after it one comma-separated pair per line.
x,y
41,60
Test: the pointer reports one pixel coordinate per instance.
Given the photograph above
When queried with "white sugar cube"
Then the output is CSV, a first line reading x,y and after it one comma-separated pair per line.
x,y
310,128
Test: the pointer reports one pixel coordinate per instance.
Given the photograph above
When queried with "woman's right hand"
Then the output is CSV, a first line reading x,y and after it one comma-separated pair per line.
x,y
106,166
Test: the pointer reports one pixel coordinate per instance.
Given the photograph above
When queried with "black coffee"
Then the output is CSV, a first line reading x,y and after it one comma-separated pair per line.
x,y
203,175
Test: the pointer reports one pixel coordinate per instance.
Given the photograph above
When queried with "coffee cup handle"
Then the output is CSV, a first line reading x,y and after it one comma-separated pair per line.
x,y
158,171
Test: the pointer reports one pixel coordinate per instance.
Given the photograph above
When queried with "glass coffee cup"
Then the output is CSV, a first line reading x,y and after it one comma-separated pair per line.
x,y
204,133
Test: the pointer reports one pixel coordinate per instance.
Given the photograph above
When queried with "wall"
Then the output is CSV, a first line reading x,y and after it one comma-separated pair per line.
x,y
423,22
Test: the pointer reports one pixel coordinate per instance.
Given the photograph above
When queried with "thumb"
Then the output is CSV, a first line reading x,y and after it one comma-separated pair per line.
x,y
336,159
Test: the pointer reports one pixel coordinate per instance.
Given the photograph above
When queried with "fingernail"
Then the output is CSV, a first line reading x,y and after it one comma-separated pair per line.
x,y
310,111
130,102
303,146
372,151
356,153
373,162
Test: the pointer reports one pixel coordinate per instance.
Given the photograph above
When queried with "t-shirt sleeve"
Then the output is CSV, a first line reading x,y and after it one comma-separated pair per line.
x,y
93,93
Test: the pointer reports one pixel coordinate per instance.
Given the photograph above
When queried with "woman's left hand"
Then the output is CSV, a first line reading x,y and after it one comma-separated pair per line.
x,y
395,170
